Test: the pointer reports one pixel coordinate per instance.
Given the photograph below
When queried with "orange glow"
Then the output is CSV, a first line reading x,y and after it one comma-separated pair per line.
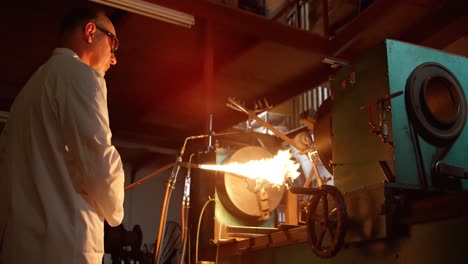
x,y
274,170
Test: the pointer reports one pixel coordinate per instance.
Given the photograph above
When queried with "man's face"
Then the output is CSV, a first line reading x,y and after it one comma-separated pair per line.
x,y
106,43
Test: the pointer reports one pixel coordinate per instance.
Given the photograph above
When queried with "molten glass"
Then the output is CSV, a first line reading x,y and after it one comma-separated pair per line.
x,y
274,170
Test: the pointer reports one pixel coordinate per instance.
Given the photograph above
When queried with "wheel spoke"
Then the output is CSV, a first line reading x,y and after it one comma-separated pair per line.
x,y
331,233
333,215
325,206
320,237
314,217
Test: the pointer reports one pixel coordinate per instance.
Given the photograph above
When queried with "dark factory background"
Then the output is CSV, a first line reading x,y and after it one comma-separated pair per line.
x,y
284,56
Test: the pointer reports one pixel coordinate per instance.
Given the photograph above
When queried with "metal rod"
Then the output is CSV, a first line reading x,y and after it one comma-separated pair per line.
x,y
204,136
210,137
159,171
319,179
300,190
151,175
237,106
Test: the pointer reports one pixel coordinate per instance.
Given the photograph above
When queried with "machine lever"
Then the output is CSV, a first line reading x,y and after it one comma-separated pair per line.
x,y
382,128
299,190
444,169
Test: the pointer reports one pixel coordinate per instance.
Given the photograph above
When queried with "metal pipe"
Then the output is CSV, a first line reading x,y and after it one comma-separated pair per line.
x,y
159,171
300,190
210,137
326,28
151,175
236,106
182,151
167,198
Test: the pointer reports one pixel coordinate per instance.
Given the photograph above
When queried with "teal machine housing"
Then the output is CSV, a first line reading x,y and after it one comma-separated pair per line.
x,y
398,143
398,134
404,60
397,111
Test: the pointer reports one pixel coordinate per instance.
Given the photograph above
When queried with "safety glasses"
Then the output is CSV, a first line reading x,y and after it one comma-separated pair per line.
x,y
114,40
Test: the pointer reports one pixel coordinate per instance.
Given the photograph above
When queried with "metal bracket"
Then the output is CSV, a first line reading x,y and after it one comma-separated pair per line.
x,y
264,204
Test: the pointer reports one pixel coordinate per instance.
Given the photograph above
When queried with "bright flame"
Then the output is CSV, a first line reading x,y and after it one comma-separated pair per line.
x,y
274,170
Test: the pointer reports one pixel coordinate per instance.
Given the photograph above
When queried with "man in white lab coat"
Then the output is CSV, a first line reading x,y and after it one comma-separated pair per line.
x,y
60,176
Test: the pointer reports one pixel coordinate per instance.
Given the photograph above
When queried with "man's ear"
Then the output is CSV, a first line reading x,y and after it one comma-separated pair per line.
x,y
89,30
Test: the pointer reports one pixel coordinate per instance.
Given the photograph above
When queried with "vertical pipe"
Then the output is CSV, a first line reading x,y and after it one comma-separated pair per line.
x,y
301,103
301,9
296,118
314,99
210,137
320,98
315,96
306,101
326,32
208,69
298,14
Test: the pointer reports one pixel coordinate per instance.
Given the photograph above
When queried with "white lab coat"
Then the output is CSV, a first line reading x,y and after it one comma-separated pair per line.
x,y
60,176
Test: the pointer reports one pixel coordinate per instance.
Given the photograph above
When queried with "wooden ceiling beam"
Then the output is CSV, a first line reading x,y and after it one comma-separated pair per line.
x,y
256,26
360,25
438,25
441,28
450,33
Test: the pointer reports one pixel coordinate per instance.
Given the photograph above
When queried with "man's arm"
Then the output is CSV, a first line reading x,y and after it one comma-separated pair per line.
x,y
94,163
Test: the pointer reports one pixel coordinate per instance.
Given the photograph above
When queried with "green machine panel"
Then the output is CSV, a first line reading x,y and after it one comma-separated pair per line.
x,y
399,116
404,62
356,150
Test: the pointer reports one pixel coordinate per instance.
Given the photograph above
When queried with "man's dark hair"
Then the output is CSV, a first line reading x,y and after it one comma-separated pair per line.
x,y
77,18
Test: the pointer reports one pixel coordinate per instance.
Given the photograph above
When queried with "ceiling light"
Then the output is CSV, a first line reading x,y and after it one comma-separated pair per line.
x,y
334,62
151,10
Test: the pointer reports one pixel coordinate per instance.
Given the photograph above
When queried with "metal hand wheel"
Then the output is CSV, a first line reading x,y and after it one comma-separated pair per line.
x,y
326,221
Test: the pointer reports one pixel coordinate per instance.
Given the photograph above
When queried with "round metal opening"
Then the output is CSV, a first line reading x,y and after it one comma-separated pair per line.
x,y
435,103
441,101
